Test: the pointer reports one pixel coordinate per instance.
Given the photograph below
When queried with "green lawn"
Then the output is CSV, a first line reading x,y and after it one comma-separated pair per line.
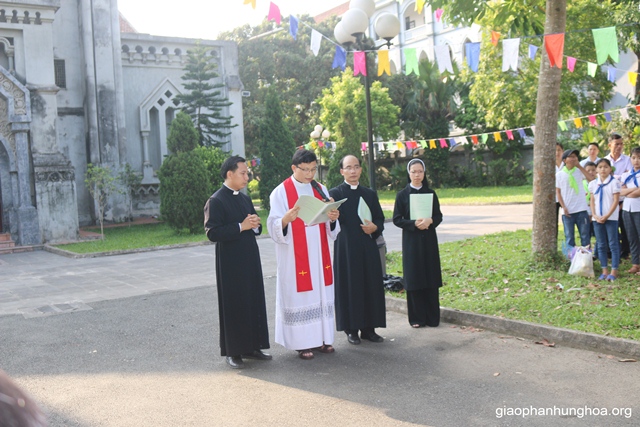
x,y
473,196
494,275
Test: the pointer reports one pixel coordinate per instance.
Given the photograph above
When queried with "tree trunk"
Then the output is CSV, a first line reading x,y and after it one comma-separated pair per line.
x,y
544,239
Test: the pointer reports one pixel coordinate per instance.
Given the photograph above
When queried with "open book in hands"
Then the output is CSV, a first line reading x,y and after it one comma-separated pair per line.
x,y
314,211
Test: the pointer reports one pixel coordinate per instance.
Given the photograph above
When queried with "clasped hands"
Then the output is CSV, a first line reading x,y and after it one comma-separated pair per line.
x,y
250,222
423,223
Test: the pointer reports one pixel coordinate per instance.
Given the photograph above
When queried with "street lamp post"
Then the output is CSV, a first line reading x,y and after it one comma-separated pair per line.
x,y
350,31
317,134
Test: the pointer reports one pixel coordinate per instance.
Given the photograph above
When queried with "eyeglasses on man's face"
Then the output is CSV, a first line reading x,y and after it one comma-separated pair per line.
x,y
352,168
307,170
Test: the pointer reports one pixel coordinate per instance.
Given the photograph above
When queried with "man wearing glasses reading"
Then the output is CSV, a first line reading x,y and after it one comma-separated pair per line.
x,y
304,287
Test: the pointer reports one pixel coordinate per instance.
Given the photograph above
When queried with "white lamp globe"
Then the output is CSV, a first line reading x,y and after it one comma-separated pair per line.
x,y
315,134
355,21
326,134
387,26
342,37
367,6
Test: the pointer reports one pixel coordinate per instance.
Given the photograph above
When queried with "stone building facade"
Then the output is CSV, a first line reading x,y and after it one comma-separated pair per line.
x,y
75,90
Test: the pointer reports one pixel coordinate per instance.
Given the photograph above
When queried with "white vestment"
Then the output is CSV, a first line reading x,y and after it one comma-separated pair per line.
x,y
303,319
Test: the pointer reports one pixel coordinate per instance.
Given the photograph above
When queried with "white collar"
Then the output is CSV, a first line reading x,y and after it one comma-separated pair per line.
x,y
235,192
414,187
353,187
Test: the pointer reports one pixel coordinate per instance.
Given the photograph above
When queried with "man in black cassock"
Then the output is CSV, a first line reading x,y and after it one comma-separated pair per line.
x,y
360,303
231,221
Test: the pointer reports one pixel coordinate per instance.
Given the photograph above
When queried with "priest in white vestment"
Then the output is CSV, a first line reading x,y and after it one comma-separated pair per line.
x,y
304,292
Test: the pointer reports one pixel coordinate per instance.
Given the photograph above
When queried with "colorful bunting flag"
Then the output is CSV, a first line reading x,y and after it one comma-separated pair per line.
x,y
510,51
577,122
339,58
423,143
554,44
563,125
316,40
443,143
472,51
606,42
633,78
611,74
497,137
293,27
591,69
359,63
533,49
439,14
384,66
592,120
251,2
571,63
411,61
495,37
274,13
420,5
432,144
443,57
452,142
363,147
607,117
521,132
624,113
474,139
509,134
485,138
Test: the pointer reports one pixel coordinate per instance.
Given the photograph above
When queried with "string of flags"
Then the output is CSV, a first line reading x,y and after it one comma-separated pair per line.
x,y
605,43
475,139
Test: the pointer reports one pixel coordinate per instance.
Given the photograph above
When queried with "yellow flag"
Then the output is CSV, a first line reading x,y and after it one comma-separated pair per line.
x,y
420,5
400,145
497,137
251,2
432,144
633,77
578,122
383,62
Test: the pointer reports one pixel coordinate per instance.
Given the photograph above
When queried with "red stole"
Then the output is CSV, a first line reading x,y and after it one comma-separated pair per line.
x,y
303,276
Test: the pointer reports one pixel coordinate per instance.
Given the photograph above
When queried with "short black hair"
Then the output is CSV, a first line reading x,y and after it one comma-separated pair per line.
x,y
559,145
636,151
303,156
594,143
614,135
607,161
348,155
588,164
231,165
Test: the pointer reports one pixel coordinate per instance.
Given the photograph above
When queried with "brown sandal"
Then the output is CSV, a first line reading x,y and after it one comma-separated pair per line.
x,y
305,354
634,270
326,349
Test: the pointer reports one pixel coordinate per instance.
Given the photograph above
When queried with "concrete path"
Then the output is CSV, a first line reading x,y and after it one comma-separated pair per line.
x,y
131,340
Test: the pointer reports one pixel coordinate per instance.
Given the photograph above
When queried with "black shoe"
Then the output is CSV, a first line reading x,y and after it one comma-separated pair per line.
x,y
258,354
353,338
235,362
372,336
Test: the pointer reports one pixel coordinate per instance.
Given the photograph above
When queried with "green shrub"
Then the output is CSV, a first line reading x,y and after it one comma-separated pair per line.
x,y
185,186
213,158
183,136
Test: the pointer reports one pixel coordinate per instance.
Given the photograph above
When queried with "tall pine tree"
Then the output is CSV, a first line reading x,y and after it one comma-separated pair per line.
x,y
204,101
276,147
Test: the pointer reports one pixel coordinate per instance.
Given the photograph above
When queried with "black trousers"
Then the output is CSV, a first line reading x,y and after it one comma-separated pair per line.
x,y
424,307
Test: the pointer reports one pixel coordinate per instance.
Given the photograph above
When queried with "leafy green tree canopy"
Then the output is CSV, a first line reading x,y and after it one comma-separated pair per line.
x,y
183,136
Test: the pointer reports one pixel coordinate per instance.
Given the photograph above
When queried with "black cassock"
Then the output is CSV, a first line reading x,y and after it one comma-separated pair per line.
x,y
241,306
359,291
420,253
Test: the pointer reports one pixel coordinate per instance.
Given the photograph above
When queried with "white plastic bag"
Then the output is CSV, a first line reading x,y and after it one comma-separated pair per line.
x,y
582,262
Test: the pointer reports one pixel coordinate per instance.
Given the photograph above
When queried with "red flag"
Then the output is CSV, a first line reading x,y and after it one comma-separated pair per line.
x,y
474,138
554,43
495,36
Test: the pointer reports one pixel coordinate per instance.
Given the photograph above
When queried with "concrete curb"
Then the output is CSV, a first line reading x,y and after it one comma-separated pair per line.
x,y
567,337
62,252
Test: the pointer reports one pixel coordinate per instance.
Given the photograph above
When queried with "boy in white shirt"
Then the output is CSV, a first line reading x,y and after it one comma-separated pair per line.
x,y
573,199
631,209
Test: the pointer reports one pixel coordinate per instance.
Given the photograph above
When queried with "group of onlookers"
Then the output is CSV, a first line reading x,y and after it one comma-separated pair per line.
x,y
601,197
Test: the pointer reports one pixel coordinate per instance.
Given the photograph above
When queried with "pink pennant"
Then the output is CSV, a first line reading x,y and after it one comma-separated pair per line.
x,y
363,147
274,13
443,143
320,144
359,63
439,14
509,134
592,120
571,63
